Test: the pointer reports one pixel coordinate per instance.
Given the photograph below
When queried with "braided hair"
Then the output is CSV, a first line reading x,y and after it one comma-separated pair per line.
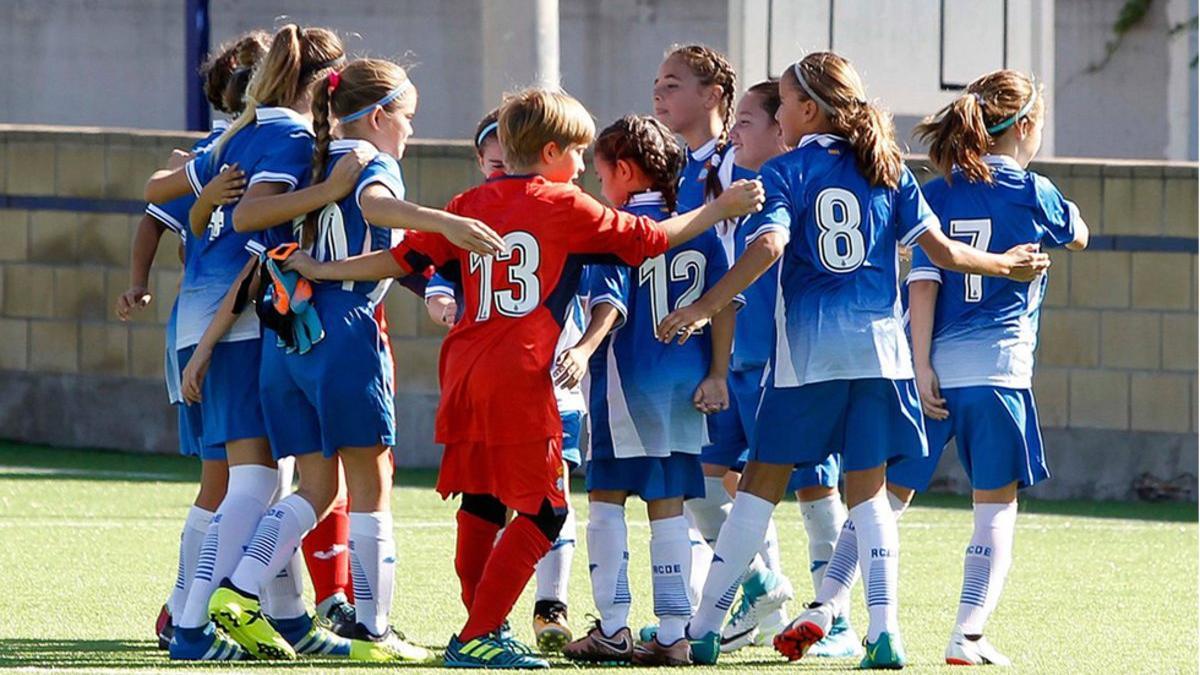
x,y
712,68
650,145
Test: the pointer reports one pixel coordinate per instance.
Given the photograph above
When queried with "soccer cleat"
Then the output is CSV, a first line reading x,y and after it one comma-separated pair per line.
x,y
204,644
242,618
550,628
391,646
770,626
596,647
310,637
654,653
648,632
163,628
337,614
886,653
743,626
840,643
805,631
966,652
706,650
490,652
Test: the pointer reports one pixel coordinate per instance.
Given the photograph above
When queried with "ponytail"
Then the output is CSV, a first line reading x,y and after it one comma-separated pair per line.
x,y
960,134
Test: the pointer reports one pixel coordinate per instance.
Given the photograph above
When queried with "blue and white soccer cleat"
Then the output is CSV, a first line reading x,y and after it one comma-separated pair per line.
x,y
492,653
204,644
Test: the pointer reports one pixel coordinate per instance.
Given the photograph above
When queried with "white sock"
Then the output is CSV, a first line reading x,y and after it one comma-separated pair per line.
x,y
823,520
554,569
282,597
670,575
701,561
274,542
986,564
709,512
372,568
246,498
770,549
842,571
195,527
879,563
737,544
608,562
287,471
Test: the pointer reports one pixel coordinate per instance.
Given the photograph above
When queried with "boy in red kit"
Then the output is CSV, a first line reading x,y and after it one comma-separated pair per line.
x,y
497,416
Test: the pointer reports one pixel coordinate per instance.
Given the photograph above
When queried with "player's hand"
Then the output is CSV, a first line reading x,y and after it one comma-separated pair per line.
x,y
303,264
570,367
178,158
473,235
225,188
1026,262
345,173
192,380
930,391
741,198
712,395
683,323
443,309
134,298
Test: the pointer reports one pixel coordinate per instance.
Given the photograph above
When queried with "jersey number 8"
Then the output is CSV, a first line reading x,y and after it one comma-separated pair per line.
x,y
840,244
522,275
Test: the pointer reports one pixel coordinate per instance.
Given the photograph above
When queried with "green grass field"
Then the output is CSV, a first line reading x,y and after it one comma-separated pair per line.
x,y
88,544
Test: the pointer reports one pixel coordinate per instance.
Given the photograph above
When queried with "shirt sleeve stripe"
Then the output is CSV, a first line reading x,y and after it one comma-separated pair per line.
x,y
917,231
189,170
165,218
769,227
272,177
924,274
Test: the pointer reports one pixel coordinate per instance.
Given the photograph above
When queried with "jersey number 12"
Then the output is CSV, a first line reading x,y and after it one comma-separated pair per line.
x,y
685,265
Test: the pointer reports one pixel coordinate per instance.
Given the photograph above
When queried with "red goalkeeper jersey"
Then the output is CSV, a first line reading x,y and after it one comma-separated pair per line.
x,y
495,362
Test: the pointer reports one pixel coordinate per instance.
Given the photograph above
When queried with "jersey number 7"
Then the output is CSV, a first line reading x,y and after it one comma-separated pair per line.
x,y
978,232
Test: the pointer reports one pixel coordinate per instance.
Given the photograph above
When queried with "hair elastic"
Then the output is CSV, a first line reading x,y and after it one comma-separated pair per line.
x,y
977,97
391,96
488,130
993,130
316,67
335,78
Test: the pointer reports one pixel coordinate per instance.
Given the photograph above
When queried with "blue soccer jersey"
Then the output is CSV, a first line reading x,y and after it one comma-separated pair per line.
x,y
838,314
754,333
276,148
641,389
985,328
342,232
694,176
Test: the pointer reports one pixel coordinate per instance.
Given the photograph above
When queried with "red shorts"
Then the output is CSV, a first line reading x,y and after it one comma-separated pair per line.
x,y
520,475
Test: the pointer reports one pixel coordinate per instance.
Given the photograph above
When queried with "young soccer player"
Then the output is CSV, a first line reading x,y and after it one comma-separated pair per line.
x,y
647,401
838,206
693,96
223,89
550,613
497,415
756,138
974,337
262,144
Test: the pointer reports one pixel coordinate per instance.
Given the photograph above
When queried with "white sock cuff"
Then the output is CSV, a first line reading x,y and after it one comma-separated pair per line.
x,y
301,510
871,509
670,529
376,524
751,507
605,515
999,515
897,505
254,481
283,479
715,492
816,507
198,519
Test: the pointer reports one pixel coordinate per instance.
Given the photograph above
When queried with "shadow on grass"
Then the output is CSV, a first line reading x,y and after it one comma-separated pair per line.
x,y
1175,512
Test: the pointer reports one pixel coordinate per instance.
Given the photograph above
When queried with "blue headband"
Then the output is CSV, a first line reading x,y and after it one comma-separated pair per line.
x,y
493,126
391,96
993,130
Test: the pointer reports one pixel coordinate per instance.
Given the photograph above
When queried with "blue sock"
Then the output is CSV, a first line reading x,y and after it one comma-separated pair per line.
x,y
293,630
195,634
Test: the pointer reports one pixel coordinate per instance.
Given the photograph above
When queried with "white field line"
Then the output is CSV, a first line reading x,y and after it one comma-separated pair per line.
x,y
83,473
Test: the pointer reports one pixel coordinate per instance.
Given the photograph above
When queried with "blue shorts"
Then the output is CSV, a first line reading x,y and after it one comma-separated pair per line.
x,y
650,478
338,395
870,421
730,431
191,423
230,408
572,421
996,431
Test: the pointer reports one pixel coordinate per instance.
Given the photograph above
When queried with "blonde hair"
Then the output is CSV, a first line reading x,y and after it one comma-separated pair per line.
x,y
961,133
827,79
536,116
362,83
297,57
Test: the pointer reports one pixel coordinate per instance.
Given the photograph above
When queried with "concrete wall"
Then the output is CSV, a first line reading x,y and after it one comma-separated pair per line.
x,y
1116,382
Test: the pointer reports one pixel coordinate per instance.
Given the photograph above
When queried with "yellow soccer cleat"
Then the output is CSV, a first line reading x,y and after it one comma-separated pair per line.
x,y
242,619
391,646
